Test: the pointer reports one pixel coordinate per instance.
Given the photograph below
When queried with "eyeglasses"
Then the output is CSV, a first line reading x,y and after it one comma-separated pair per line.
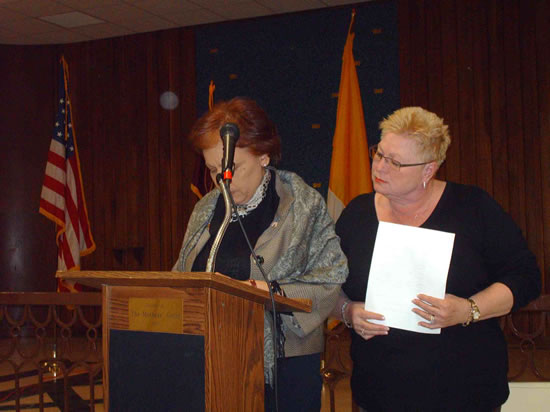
x,y
377,155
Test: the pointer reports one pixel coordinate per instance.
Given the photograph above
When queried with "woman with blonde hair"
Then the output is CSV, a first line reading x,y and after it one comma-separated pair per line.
x,y
492,271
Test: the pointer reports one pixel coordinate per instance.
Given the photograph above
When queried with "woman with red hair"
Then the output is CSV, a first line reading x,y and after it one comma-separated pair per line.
x,y
288,225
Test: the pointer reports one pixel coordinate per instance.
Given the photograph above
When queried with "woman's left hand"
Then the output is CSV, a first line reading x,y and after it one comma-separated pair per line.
x,y
441,313
260,284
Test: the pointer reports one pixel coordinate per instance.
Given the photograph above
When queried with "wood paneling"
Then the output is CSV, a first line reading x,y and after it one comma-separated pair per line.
x,y
488,75
27,109
138,209
450,84
482,136
531,137
234,323
542,62
136,166
465,143
499,138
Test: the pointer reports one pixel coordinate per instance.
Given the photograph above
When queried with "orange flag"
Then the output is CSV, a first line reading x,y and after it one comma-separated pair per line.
x,y
202,182
350,165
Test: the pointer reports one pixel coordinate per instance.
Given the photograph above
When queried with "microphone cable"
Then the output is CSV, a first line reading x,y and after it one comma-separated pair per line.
x,y
275,338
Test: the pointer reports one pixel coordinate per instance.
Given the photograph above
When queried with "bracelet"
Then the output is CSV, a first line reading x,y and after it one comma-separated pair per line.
x,y
343,311
475,314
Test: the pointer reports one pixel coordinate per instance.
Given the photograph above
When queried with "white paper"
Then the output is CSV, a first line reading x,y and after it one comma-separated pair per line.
x,y
407,261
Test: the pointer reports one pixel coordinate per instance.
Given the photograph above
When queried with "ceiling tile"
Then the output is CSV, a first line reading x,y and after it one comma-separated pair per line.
x,y
219,3
88,4
8,36
7,16
103,30
153,24
195,17
18,39
124,17
29,26
342,2
237,10
71,19
59,37
36,8
122,14
162,7
286,6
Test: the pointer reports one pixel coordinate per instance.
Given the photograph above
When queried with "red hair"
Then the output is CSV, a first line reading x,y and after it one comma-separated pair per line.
x,y
257,132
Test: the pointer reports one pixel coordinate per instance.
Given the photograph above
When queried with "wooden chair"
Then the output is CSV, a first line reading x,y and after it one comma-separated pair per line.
x,y
337,363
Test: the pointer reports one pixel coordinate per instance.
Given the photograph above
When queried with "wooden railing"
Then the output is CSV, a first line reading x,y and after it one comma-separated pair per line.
x,y
50,351
528,335
527,332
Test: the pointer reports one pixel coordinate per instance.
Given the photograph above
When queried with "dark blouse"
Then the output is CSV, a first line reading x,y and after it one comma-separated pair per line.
x,y
233,258
463,368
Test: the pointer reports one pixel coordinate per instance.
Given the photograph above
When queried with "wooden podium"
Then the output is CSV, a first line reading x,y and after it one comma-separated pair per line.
x,y
182,341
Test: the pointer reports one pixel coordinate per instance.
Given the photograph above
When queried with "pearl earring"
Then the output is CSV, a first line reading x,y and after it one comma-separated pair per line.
x,y
424,184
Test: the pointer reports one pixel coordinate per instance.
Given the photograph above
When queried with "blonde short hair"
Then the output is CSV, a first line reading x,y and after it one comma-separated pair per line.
x,y
430,133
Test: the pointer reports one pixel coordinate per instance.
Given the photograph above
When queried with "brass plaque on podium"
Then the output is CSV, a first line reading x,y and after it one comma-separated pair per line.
x,y
155,315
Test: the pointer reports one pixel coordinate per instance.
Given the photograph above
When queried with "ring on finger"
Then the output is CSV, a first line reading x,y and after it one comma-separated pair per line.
x,y
362,332
432,318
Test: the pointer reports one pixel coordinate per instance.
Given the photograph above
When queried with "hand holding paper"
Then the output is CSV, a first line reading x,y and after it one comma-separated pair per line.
x,y
407,261
451,310
364,322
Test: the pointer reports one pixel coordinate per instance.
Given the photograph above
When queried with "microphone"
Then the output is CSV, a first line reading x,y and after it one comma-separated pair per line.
x,y
229,134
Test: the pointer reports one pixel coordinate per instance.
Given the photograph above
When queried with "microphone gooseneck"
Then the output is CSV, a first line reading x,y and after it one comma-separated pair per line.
x,y
229,134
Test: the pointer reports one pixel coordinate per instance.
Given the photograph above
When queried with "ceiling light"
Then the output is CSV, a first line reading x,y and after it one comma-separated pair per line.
x,y
72,19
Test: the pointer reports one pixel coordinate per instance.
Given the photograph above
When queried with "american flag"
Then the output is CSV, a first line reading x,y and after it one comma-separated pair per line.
x,y
62,199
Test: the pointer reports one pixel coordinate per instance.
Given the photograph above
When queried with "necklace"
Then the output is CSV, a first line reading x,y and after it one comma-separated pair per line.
x,y
418,216
255,200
